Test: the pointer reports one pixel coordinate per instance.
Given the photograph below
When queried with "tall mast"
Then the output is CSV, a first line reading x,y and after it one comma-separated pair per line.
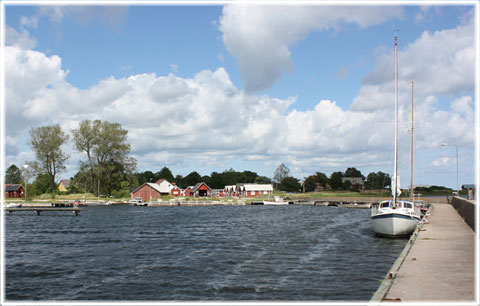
x,y
411,155
396,127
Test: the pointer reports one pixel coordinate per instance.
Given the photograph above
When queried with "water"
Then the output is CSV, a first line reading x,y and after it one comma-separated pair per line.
x,y
301,253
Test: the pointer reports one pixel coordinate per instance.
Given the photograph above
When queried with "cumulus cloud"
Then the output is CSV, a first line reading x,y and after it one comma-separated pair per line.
x,y
20,39
206,119
260,36
440,64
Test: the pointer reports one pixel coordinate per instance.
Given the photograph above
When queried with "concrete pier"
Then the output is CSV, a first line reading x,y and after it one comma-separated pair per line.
x,y
437,265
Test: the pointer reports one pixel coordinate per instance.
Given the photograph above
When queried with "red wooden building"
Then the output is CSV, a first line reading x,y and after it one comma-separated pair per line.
x,y
200,190
152,191
14,191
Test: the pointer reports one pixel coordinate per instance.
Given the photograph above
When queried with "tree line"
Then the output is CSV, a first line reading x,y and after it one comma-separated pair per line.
x,y
107,168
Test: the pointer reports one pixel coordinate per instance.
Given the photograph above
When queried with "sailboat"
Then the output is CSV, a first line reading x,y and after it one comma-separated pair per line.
x,y
395,218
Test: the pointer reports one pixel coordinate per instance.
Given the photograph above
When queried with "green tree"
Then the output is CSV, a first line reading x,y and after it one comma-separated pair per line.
x,y
165,173
281,172
13,175
347,185
377,180
248,176
107,150
41,185
146,177
352,172
178,179
262,180
310,183
289,184
336,180
46,142
191,179
322,179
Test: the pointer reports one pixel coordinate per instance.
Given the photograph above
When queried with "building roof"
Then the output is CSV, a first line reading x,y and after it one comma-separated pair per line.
x,y
13,187
163,187
255,187
353,180
198,185
65,183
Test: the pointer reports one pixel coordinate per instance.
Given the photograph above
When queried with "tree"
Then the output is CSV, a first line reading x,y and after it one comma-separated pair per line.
x,y
377,180
46,142
322,179
347,185
336,180
191,179
262,180
289,184
40,185
178,179
310,183
281,172
352,172
107,150
13,175
165,173
248,176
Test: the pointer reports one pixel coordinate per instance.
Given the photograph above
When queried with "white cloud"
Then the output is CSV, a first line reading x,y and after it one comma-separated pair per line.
x,y
206,120
440,63
260,36
441,162
20,39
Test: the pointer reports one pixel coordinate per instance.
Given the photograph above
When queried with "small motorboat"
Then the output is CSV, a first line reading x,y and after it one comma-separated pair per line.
x,y
278,201
14,205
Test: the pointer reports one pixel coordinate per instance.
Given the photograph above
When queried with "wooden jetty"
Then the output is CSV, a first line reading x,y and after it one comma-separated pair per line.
x,y
39,209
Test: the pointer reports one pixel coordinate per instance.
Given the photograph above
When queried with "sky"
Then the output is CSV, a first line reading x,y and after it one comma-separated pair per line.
x,y
246,86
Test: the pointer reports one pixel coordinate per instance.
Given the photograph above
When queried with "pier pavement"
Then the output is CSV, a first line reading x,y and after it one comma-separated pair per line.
x,y
439,266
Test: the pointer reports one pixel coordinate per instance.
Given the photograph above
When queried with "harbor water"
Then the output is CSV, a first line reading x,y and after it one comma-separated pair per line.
x,y
229,253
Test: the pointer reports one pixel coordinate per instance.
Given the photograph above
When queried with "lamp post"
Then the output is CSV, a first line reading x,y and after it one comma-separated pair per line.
x,y
456,150
26,182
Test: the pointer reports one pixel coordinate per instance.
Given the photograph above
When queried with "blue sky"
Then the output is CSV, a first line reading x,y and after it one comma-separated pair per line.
x,y
214,87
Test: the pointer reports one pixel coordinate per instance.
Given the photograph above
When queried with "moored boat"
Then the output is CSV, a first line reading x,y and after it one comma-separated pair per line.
x,y
278,201
13,205
394,218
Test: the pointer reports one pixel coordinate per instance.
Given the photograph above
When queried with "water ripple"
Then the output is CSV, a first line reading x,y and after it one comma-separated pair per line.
x,y
298,253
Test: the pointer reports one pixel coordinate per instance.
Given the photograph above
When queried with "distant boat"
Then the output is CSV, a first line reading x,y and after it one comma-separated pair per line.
x,y
79,203
278,201
138,202
14,205
395,218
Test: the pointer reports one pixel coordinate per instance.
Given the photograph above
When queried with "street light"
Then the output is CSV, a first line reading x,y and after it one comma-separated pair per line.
x,y
456,149
26,182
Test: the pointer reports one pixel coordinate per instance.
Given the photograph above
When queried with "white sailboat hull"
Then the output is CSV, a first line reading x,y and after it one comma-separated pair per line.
x,y
394,224
275,203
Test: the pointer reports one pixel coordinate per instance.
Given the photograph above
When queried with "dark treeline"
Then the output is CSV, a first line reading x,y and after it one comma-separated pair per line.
x,y
282,181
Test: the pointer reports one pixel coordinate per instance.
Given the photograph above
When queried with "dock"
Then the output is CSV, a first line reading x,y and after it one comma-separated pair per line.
x,y
38,210
437,264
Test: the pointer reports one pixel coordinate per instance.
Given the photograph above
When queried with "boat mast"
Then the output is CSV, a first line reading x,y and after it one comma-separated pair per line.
x,y
411,155
396,127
